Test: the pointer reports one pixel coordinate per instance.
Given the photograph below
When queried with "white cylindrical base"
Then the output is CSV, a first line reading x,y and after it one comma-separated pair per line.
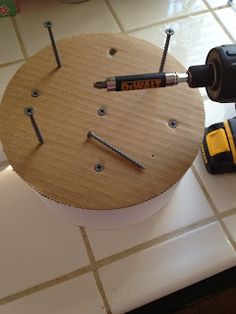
x,y
110,219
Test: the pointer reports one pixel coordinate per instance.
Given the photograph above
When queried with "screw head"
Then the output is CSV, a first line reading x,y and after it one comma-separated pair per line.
x,y
112,51
172,123
35,93
169,31
47,24
89,134
101,111
29,111
99,167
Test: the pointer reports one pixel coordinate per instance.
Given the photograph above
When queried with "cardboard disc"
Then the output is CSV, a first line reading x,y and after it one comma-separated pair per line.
x,y
136,122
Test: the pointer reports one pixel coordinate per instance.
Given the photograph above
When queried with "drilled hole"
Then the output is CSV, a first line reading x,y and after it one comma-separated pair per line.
x,y
112,51
35,93
99,167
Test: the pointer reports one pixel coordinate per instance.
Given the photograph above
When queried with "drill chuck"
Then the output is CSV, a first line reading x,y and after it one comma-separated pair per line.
x,y
200,75
218,75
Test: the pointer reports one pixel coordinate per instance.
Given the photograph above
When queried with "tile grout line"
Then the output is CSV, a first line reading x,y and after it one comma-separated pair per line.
x,y
175,18
113,13
165,21
223,27
228,213
106,260
46,284
150,243
95,271
214,208
217,19
209,8
11,63
20,40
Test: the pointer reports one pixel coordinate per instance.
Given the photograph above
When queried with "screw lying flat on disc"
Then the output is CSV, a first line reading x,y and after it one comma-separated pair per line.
x,y
91,134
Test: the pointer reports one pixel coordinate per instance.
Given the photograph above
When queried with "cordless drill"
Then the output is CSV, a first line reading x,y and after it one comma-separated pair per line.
x,y
218,76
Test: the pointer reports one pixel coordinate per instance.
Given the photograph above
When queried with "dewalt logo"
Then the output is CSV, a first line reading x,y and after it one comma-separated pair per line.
x,y
133,85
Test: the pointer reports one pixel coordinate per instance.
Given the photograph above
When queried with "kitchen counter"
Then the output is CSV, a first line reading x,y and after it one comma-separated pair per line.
x,y
50,266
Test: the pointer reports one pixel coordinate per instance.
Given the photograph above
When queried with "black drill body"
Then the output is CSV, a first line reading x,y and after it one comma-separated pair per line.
x,y
223,61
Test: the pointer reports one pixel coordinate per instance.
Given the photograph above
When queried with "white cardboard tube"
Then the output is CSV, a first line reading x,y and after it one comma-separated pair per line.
x,y
110,219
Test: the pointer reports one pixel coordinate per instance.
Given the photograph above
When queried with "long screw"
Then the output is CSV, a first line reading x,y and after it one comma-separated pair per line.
x,y
48,25
114,149
169,32
29,112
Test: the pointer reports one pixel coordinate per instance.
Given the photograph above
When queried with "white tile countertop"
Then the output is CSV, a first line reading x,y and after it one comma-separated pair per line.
x,y
50,266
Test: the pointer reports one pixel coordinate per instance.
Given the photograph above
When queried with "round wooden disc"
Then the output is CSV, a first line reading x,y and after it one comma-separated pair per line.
x,y
136,122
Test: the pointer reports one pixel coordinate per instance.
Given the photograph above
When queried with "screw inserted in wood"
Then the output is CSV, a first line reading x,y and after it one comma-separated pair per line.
x,y
29,112
172,123
48,25
169,32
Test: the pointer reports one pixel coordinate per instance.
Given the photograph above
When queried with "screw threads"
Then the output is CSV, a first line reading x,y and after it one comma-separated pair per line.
x,y
48,25
37,131
169,32
54,47
29,112
115,149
